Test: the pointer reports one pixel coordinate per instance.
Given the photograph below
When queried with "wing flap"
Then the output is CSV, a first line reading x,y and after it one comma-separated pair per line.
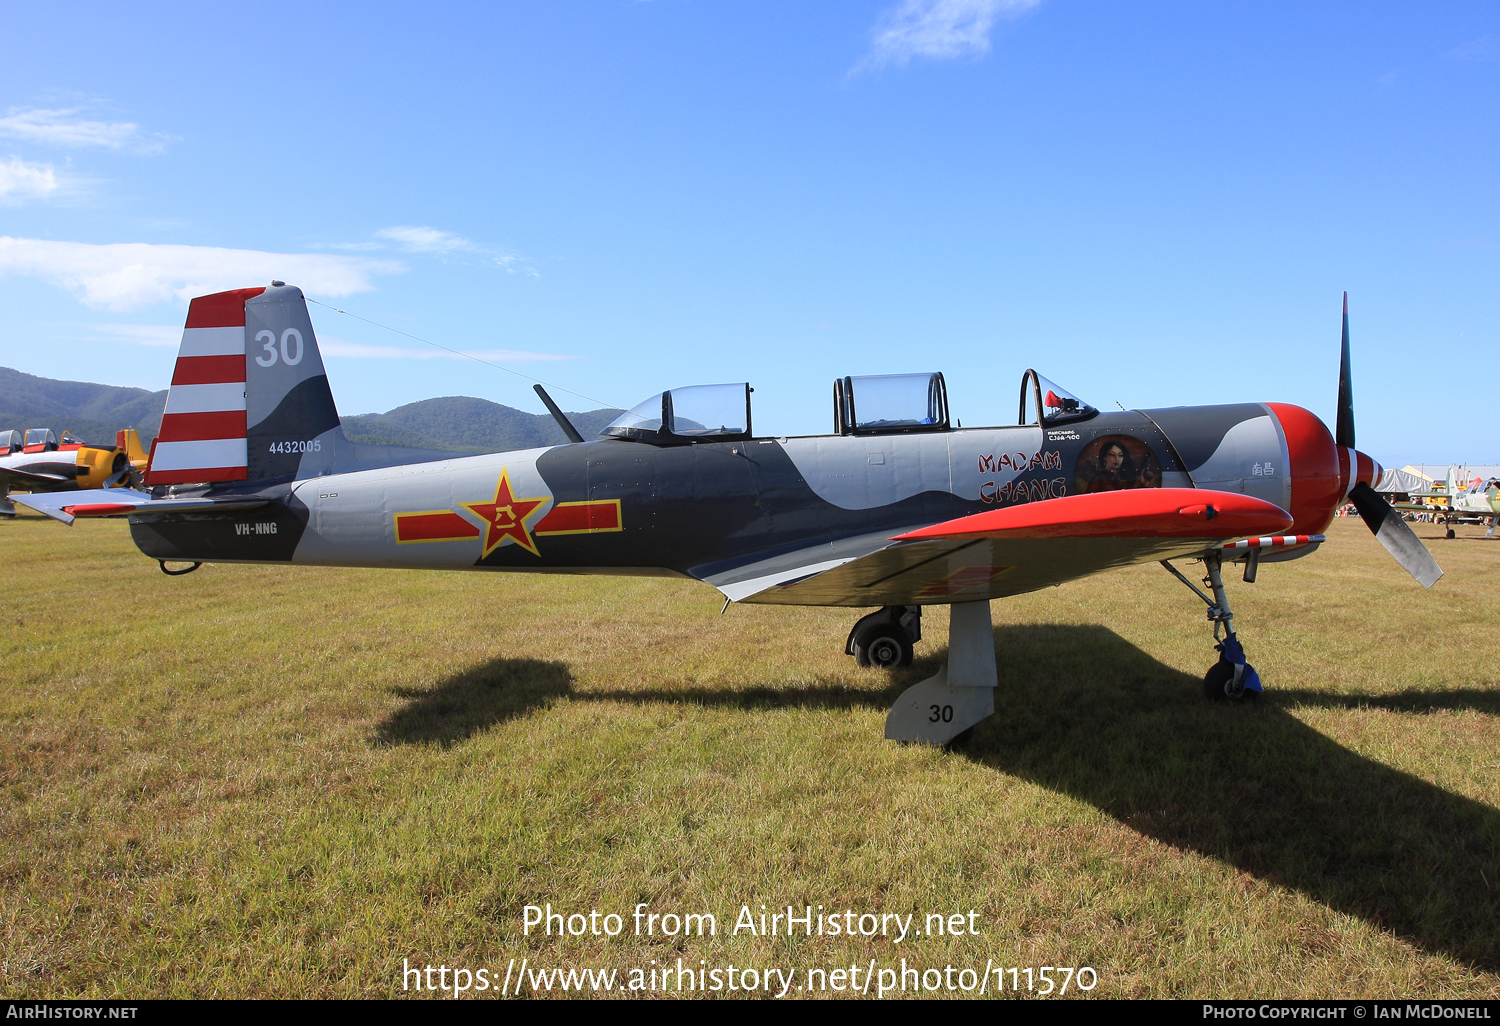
x,y
739,581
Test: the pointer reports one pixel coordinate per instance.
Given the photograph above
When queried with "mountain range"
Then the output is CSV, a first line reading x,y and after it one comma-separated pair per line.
x,y
456,423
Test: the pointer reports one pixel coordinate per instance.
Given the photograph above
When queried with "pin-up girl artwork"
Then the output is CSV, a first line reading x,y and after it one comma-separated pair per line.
x,y
1112,463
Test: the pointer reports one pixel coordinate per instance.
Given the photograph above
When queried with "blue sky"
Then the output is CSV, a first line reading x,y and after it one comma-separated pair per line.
x,y
1153,204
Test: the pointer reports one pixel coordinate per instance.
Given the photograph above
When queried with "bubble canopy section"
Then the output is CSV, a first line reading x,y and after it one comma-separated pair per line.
x,y
1047,403
697,413
890,403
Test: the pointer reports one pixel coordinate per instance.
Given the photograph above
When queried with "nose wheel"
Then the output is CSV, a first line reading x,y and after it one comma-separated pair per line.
x,y
1231,679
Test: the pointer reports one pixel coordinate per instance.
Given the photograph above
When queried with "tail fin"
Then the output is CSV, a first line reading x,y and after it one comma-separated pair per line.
x,y
128,442
249,397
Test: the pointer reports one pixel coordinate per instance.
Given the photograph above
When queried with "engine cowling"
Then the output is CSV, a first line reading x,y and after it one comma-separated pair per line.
x,y
1322,472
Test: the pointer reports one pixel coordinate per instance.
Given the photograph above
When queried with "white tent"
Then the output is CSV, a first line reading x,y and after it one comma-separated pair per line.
x,y
1403,481
1432,474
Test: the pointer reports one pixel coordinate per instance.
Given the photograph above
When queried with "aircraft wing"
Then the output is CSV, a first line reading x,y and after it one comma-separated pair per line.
x,y
119,502
1008,551
24,476
1447,507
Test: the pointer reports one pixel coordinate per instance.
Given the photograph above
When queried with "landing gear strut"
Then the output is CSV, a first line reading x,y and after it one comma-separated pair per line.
x,y
960,694
1231,678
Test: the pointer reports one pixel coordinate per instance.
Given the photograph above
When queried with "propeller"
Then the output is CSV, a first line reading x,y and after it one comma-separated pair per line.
x,y
1343,432
1383,521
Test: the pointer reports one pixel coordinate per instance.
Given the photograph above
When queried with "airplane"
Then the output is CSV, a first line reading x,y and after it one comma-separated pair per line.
x,y
39,462
1480,498
897,508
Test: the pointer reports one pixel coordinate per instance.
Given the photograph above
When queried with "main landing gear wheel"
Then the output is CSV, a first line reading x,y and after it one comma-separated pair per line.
x,y
886,639
883,646
1451,533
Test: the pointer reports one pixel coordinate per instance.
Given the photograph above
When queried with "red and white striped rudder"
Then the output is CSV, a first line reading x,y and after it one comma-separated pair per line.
x,y
202,436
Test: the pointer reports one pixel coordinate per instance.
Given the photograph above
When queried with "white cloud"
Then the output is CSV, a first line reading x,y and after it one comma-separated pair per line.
x,y
425,240
161,335
360,351
937,30
422,239
68,128
20,181
129,275
1485,48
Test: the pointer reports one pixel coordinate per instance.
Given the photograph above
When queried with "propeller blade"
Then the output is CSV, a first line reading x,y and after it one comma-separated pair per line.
x,y
1391,531
1344,426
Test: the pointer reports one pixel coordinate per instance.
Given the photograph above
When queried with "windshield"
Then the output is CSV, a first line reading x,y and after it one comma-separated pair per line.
x,y
1056,403
644,419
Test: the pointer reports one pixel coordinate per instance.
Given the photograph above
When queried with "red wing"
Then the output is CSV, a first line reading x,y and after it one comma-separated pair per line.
x,y
1011,551
1139,513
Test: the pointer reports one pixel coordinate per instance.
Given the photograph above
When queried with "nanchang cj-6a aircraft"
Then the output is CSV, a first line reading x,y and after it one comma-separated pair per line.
x,y
897,508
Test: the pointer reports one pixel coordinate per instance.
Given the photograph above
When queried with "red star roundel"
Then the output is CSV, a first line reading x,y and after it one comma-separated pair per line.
x,y
505,518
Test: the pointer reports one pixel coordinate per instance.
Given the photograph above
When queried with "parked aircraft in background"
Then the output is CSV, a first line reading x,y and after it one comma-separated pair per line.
x,y
897,508
1480,497
38,462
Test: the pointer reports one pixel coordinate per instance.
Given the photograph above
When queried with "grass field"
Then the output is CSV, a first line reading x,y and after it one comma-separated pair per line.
x,y
274,781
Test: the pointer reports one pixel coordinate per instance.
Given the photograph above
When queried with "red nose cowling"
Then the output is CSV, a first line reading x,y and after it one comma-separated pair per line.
x,y
1322,471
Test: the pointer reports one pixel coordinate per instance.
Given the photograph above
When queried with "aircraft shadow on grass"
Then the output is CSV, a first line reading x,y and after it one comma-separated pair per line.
x,y
1083,712
468,703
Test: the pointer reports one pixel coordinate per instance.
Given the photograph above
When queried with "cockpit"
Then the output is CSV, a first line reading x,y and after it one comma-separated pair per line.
x,y
1043,402
880,404
10,441
40,440
697,413
873,404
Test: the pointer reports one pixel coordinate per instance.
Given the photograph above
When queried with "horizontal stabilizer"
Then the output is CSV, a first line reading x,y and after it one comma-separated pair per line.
x,y
119,502
1138,513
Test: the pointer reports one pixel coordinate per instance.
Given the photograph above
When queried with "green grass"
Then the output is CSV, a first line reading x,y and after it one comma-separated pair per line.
x,y
276,781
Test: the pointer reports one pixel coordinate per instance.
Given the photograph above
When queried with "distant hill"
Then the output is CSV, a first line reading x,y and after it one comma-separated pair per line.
x,y
92,412
456,423
465,424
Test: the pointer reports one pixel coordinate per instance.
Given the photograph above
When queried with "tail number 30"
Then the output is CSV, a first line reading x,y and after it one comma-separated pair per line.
x,y
940,713
291,347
